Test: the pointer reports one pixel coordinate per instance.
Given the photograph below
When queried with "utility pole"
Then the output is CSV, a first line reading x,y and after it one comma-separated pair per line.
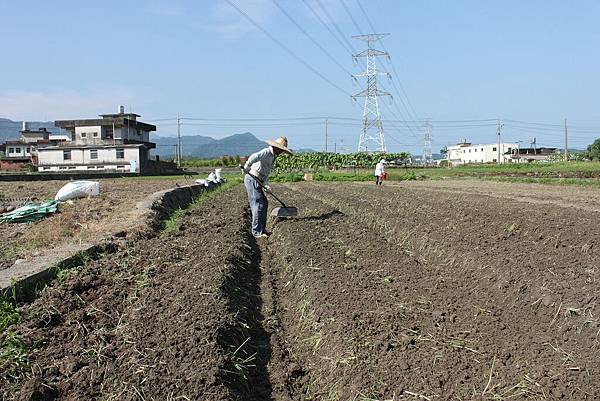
x,y
499,130
372,128
427,158
566,143
178,150
326,123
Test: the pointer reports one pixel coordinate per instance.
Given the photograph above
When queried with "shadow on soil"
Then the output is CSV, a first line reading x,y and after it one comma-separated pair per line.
x,y
245,341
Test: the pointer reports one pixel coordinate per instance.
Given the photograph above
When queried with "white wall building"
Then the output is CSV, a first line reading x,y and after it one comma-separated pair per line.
x,y
465,153
122,158
114,142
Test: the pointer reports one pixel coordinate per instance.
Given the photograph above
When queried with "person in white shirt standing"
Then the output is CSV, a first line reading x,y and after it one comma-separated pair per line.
x,y
259,165
380,171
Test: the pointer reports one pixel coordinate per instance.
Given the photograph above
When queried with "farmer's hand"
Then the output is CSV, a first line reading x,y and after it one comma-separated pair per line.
x,y
244,169
267,189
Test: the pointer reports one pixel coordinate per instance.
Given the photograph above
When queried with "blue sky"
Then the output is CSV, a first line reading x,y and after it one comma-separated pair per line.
x,y
528,61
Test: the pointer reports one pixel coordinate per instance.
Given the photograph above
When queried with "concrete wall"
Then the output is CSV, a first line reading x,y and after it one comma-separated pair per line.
x,y
53,159
11,150
132,134
89,135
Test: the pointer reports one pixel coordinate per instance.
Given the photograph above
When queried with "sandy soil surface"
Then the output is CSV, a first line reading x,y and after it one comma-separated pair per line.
x,y
85,221
418,291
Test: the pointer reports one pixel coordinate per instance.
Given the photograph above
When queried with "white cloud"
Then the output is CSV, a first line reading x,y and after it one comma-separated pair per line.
x,y
230,23
60,103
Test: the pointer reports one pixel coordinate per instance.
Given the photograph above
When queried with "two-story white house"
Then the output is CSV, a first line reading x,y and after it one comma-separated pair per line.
x,y
114,142
465,153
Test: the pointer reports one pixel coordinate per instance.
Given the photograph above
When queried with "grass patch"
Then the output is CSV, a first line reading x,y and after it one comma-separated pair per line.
x,y
13,251
13,363
9,315
13,352
174,221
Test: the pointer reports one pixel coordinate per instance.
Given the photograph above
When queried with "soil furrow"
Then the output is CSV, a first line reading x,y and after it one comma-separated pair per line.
x,y
472,300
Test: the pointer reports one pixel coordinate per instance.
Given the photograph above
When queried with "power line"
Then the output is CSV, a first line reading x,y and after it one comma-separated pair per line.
x,y
311,38
336,27
414,114
352,17
287,49
316,14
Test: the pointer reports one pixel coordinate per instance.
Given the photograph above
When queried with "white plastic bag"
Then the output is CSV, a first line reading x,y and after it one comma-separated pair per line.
x,y
201,182
218,174
212,178
78,189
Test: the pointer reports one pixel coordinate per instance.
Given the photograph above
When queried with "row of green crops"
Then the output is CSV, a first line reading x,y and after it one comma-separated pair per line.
x,y
225,161
316,160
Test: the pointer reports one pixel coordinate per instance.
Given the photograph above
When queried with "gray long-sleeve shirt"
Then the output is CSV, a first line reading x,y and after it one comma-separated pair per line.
x,y
261,163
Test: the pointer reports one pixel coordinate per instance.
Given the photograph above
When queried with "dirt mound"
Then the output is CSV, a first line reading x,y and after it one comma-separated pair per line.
x,y
165,319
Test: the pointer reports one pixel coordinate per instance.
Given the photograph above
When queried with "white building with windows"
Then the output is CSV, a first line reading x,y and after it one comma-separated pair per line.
x,y
465,153
113,142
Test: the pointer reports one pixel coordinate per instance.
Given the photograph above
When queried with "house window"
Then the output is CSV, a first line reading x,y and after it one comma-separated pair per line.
x,y
27,150
475,149
121,167
109,133
17,150
84,134
67,154
93,154
482,149
493,150
469,150
11,150
120,153
71,167
95,134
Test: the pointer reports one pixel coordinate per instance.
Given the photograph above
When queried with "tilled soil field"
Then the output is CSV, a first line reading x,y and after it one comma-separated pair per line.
x,y
409,292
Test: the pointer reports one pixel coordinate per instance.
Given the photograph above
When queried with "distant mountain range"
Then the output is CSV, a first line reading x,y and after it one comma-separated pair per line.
x,y
205,147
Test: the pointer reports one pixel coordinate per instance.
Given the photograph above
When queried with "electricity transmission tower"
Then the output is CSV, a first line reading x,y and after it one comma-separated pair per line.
x,y
427,157
371,134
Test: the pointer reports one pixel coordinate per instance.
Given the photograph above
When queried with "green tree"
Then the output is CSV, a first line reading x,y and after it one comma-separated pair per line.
x,y
594,150
444,150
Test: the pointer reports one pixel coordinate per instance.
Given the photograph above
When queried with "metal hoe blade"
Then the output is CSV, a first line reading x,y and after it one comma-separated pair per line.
x,y
284,212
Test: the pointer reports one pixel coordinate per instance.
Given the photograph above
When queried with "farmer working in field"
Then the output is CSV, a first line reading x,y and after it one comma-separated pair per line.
x,y
380,172
259,165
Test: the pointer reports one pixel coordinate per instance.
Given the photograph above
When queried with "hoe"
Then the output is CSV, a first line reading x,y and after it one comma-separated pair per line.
x,y
283,211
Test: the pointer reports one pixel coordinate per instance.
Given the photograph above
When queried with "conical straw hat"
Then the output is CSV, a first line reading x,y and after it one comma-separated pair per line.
x,y
280,143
